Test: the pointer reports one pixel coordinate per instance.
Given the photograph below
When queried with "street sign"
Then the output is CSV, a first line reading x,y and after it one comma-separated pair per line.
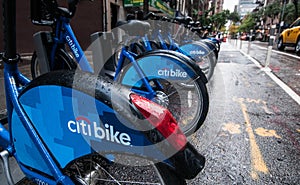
x,y
132,3
158,4
162,6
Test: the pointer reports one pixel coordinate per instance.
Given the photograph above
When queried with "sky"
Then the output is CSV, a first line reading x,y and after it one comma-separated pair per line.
x,y
229,4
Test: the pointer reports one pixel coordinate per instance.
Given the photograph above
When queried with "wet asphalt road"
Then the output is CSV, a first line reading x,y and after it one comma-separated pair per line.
x,y
252,132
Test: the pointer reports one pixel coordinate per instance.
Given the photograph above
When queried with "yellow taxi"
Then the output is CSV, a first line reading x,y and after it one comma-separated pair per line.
x,y
290,37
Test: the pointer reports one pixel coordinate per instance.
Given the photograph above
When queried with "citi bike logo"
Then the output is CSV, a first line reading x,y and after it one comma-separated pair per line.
x,y
72,46
40,182
84,126
197,52
172,73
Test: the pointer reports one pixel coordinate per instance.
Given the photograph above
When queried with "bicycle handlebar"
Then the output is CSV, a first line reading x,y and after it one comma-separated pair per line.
x,y
57,10
9,31
72,6
151,15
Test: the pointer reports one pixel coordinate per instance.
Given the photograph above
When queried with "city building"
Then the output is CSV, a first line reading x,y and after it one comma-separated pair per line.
x,y
102,15
218,6
246,6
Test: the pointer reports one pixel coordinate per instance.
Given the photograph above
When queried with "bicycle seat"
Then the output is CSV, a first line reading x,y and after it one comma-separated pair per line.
x,y
196,23
183,20
134,27
197,29
120,23
152,16
64,12
130,17
166,19
179,19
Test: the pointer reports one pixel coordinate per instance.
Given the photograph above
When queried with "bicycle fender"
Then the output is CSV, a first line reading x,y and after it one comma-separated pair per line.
x,y
78,115
188,162
42,40
184,60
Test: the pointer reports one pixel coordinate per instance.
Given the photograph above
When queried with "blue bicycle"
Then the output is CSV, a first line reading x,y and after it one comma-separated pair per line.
x,y
160,38
158,75
50,46
63,125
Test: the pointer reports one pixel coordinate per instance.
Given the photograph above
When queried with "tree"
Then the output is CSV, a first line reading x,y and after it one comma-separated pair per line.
x,y
233,29
202,16
295,2
291,12
234,17
220,19
248,23
258,15
273,10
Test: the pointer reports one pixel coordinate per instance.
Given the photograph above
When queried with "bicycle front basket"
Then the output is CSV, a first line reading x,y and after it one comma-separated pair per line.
x,y
42,12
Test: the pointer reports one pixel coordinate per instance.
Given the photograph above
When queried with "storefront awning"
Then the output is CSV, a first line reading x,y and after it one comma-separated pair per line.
x,y
157,4
163,7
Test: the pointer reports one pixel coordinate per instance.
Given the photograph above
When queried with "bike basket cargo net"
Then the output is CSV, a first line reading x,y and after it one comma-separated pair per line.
x,y
42,11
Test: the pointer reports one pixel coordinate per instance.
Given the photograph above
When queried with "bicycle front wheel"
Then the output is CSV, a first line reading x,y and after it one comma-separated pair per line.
x,y
188,104
165,74
203,56
95,169
62,61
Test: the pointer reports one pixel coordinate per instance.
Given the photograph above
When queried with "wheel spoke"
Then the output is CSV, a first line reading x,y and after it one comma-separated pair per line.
x,y
95,169
129,182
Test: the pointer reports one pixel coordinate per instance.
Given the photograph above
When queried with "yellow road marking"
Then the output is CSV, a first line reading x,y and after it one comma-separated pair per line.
x,y
259,101
249,100
232,128
266,133
257,161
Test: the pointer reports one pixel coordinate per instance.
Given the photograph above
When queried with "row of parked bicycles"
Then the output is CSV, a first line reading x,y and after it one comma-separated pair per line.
x,y
122,118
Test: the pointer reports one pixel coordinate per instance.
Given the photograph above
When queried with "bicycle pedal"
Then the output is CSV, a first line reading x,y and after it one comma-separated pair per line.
x,y
4,156
1,65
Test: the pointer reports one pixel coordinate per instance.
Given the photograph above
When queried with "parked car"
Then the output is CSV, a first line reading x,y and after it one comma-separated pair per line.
x,y
290,37
247,37
243,37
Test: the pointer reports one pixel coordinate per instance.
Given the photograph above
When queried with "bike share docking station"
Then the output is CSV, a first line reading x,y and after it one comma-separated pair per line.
x,y
42,40
102,51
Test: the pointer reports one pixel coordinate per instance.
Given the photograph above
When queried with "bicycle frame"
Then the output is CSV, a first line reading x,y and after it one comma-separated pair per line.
x,y
200,48
173,46
64,34
150,94
14,82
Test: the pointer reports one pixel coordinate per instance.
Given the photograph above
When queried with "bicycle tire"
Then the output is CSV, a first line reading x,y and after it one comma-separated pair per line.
x,y
135,46
189,105
154,45
107,172
206,62
206,66
213,47
62,61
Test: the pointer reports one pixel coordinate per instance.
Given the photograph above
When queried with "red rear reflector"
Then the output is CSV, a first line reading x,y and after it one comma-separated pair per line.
x,y
162,119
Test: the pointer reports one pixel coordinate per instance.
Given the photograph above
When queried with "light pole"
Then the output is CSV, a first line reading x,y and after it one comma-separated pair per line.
x,y
146,7
281,21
